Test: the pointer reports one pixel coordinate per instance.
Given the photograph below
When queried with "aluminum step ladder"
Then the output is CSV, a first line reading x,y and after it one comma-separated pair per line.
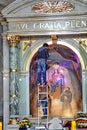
x,y
43,104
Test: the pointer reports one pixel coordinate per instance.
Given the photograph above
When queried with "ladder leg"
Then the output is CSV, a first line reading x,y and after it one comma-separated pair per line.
x,y
44,103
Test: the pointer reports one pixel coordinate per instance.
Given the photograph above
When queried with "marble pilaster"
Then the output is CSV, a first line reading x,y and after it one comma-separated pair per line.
x,y
5,73
84,90
13,66
5,82
24,101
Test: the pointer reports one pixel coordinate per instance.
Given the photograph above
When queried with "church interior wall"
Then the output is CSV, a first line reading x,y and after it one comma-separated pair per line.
x,y
25,58
34,30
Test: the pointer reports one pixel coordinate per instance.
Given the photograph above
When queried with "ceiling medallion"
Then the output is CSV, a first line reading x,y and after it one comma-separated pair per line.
x,y
53,7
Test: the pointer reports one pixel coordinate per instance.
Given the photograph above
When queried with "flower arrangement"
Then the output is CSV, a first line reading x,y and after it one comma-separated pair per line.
x,y
25,123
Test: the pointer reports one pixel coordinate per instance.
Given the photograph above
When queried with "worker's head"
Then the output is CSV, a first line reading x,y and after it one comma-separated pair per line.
x,y
45,45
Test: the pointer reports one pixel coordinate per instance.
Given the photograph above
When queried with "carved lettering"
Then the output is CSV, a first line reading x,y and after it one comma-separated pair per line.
x,y
22,26
83,23
48,25
36,25
78,24
67,24
73,24
59,25
42,25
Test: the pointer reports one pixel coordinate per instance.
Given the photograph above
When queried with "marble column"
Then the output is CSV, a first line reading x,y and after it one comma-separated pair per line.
x,y
84,90
13,41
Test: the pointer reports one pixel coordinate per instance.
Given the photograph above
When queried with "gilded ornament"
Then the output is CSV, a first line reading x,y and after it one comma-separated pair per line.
x,y
14,95
53,7
13,40
13,70
83,43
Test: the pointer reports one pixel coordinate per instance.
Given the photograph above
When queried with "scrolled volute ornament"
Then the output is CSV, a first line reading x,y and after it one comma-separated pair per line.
x,y
13,40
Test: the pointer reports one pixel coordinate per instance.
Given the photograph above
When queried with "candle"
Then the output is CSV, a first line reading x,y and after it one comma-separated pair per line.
x,y
0,125
73,125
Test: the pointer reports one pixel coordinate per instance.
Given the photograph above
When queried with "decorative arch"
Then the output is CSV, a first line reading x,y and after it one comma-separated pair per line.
x,y
70,43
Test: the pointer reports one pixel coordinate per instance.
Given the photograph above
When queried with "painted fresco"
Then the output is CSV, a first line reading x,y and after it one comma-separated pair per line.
x,y
64,83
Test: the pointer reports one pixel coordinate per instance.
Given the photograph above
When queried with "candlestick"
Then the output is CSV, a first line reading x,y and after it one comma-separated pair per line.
x,y
73,125
0,125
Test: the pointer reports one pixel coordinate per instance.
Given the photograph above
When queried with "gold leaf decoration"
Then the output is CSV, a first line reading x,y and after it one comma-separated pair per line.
x,y
52,7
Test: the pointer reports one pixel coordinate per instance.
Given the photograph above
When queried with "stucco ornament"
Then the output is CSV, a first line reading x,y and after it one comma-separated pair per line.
x,y
53,7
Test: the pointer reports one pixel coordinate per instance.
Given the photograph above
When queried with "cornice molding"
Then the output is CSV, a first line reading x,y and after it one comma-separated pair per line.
x,y
14,5
3,20
20,8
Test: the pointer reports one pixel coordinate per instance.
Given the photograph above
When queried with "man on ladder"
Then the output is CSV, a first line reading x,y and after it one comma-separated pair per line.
x,y
43,55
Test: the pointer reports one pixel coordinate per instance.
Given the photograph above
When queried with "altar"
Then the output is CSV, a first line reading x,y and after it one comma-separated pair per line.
x,y
24,32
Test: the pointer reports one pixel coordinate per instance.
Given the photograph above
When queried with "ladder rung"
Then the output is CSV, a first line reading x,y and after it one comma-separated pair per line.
x,y
43,100
44,107
42,93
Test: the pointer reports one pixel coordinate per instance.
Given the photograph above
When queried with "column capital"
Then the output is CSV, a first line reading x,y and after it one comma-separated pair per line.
x,y
13,40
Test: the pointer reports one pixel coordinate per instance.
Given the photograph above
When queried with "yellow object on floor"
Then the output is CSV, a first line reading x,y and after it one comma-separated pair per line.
x,y
0,125
73,125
